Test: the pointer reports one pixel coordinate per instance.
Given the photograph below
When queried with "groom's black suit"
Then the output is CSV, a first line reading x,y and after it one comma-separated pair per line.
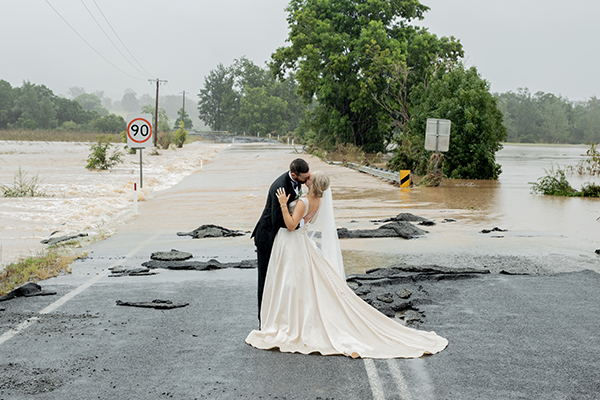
x,y
267,227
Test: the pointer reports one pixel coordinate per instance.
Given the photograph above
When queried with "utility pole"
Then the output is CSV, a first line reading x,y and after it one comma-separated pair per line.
x,y
158,81
183,112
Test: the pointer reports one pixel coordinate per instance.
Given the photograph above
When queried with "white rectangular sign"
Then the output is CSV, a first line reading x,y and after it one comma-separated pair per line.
x,y
437,134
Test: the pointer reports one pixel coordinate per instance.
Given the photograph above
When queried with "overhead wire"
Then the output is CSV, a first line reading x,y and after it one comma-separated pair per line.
x,y
110,40
92,47
118,37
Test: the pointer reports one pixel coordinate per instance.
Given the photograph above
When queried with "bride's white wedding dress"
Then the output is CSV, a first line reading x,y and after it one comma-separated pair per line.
x,y
308,307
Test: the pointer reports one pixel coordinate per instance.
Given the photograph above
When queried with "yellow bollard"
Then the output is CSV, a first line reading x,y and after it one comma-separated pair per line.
x,y
405,178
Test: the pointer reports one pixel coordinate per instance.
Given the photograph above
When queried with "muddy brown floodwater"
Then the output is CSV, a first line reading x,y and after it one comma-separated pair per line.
x,y
539,228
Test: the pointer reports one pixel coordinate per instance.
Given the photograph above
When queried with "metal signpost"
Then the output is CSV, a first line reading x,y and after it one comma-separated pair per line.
x,y
139,134
437,136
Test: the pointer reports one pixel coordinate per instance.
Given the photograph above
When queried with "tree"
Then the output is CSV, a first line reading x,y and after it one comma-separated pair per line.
x,y
262,113
163,118
76,91
109,123
463,97
71,110
129,102
91,102
6,103
185,118
340,51
34,107
216,99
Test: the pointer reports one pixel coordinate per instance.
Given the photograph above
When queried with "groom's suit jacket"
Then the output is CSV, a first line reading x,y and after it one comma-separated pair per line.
x,y
271,219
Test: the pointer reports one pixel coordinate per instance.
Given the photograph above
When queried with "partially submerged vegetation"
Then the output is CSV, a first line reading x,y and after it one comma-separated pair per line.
x,y
23,186
555,182
100,157
51,262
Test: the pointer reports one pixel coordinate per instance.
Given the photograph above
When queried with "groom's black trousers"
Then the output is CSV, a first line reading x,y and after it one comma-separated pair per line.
x,y
263,257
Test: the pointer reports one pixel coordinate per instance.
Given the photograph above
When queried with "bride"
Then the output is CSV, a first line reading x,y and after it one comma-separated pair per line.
x,y
308,307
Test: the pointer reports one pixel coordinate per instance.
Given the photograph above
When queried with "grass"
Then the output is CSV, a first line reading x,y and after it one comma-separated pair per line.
x,y
23,186
42,135
51,262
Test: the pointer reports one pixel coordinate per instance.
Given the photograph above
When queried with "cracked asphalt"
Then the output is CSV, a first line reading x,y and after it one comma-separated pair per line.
x,y
510,336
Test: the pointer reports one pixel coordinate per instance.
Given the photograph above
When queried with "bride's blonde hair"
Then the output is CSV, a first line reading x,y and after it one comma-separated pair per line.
x,y
320,183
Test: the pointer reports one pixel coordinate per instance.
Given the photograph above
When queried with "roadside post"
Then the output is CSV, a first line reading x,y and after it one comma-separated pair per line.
x,y
139,135
437,137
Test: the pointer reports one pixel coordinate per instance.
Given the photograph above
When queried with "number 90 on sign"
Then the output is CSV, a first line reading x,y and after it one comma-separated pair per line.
x,y
139,132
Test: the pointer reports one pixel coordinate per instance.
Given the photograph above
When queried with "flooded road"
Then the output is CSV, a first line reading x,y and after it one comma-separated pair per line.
x,y
235,180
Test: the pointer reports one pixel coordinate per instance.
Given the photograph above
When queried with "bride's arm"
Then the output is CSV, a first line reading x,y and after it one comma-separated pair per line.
x,y
291,221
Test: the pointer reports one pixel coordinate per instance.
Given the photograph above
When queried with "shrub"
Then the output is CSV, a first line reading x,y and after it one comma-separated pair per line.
x,y
124,140
164,140
99,158
589,166
590,190
554,183
23,186
180,135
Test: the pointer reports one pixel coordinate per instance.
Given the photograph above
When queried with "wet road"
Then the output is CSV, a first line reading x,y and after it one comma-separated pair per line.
x,y
511,336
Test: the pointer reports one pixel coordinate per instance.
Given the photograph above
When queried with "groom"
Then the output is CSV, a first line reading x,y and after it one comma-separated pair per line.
x,y
271,219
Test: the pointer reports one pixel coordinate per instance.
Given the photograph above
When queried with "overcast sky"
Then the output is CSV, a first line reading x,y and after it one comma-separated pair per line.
x,y
545,45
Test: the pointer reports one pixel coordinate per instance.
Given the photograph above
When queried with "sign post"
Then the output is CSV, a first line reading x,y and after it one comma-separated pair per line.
x,y
139,134
437,137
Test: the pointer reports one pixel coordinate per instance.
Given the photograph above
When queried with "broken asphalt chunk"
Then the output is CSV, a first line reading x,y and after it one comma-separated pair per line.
x,y
157,304
29,289
211,231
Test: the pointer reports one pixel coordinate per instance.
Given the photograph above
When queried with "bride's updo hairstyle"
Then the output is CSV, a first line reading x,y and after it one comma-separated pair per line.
x,y
320,183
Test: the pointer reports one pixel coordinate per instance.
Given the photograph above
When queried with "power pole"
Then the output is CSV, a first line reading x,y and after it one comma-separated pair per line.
x,y
183,112
158,81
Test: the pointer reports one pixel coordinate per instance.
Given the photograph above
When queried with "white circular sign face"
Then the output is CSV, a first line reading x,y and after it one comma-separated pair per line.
x,y
139,131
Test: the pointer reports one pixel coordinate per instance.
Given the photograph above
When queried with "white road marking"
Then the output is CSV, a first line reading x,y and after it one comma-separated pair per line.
x,y
27,323
425,388
374,381
399,379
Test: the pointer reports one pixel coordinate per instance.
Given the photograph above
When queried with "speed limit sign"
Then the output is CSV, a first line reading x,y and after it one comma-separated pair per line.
x,y
139,131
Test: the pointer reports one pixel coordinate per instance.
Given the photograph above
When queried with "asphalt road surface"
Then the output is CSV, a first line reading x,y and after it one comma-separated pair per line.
x,y
510,336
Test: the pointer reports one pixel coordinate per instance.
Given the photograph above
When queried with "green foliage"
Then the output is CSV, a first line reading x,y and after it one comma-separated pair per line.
x,y
590,190
342,51
546,118
36,107
463,97
246,98
180,135
50,263
163,118
100,158
124,140
23,186
91,102
109,123
69,126
554,184
185,118
215,104
130,102
590,165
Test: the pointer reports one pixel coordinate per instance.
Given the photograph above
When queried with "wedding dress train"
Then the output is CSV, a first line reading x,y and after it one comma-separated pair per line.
x,y
308,307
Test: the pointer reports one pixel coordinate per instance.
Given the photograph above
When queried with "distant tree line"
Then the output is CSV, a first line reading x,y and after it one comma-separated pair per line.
x,y
245,97
34,106
546,118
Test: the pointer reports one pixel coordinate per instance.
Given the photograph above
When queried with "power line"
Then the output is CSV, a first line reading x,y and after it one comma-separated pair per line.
x,y
108,37
92,47
120,39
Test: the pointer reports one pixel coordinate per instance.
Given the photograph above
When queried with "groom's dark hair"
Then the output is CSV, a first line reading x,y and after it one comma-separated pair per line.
x,y
299,166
